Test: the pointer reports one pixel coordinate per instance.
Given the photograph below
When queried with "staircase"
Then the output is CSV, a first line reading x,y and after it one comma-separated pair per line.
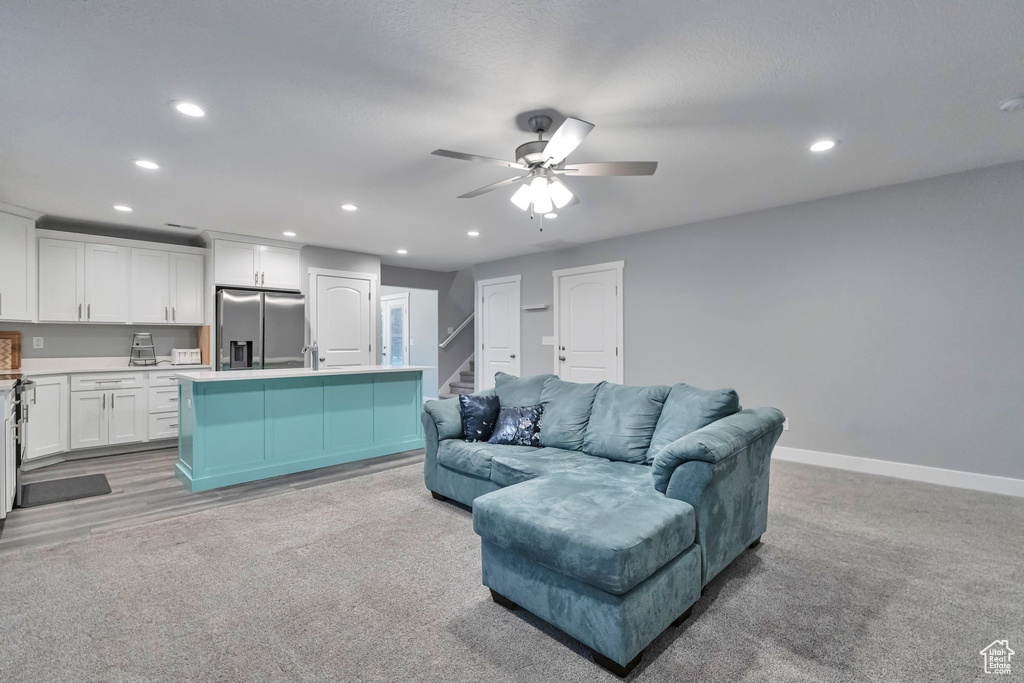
x,y
465,384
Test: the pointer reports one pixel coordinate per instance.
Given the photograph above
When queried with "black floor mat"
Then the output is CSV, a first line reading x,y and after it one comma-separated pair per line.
x,y
61,490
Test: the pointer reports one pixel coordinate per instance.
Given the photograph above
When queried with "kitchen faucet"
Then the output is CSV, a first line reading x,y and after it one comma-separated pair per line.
x,y
316,353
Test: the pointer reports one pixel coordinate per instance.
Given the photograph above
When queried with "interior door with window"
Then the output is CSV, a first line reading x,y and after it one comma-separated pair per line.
x,y
342,320
394,318
499,329
588,323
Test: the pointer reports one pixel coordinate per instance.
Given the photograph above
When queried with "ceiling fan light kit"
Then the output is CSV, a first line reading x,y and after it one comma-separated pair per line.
x,y
541,161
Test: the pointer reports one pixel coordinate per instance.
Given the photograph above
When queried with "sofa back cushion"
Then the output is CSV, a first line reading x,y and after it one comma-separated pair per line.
x,y
622,421
518,391
688,409
567,407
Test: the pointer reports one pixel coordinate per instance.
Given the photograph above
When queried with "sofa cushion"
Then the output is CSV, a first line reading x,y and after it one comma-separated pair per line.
x,y
518,426
519,391
622,421
474,458
688,409
516,467
567,407
479,414
609,529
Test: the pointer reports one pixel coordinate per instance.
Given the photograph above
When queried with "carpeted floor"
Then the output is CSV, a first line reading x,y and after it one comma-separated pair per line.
x,y
858,578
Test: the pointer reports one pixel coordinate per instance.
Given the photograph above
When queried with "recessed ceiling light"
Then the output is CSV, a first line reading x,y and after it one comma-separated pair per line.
x,y
122,207
823,145
189,109
402,251
288,233
551,215
473,233
146,164
349,207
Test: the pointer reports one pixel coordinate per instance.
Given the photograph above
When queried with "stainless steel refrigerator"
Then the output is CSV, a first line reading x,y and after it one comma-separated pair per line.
x,y
260,330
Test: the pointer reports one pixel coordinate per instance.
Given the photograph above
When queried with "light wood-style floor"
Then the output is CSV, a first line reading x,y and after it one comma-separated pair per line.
x,y
144,489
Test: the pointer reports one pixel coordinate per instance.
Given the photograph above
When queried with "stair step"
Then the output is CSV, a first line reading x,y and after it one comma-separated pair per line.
x,y
467,377
463,390
447,395
461,385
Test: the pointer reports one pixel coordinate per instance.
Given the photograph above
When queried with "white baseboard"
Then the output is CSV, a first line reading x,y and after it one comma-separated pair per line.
x,y
1006,486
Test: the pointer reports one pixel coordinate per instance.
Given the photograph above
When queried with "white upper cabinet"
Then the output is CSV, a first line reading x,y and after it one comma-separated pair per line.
x,y
151,286
61,280
236,263
186,288
106,284
17,267
280,268
244,264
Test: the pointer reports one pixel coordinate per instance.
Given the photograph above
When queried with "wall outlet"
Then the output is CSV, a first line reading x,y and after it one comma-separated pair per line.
x,y
37,342
785,425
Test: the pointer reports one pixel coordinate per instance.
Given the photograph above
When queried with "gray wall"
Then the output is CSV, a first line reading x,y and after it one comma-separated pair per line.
x,y
885,324
422,333
97,341
454,303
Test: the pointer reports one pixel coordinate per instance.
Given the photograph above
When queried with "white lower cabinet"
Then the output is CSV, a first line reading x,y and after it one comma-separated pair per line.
x,y
163,426
108,417
47,417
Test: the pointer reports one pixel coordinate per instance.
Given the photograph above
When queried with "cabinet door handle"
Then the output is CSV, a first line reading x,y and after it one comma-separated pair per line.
x,y
173,425
104,401
79,311
1,303
256,278
111,400
263,278
165,314
174,314
88,312
173,399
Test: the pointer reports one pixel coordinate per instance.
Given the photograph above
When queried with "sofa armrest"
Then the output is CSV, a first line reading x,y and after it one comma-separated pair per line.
x,y
442,420
718,441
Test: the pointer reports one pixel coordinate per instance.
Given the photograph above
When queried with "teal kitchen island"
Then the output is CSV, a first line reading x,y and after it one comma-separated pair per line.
x,y
242,425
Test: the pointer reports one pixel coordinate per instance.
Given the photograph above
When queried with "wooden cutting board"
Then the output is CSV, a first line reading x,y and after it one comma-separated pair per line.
x,y
10,350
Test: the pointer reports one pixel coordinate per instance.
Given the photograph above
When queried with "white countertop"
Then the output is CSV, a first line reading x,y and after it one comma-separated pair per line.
x,y
235,375
35,367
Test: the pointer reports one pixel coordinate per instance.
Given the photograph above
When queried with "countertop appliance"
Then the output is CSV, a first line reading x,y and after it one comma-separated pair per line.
x,y
259,330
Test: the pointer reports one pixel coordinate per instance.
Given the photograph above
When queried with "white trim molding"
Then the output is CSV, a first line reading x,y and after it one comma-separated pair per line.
x,y
620,341
988,483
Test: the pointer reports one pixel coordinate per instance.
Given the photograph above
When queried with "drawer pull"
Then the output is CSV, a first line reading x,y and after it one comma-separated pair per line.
x,y
108,381
173,399
173,425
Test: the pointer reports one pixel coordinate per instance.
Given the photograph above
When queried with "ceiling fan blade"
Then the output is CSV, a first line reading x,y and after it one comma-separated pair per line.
x,y
612,168
566,139
476,157
493,186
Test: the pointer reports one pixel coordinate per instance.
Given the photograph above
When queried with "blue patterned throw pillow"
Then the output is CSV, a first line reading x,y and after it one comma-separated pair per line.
x,y
518,426
478,416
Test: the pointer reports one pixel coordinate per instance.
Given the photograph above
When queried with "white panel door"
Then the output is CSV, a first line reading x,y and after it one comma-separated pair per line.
x,y
588,326
106,283
499,330
186,288
47,417
236,263
61,280
17,267
128,416
150,293
280,268
89,418
343,320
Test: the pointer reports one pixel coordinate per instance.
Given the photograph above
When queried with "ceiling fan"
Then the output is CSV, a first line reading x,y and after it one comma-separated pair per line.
x,y
541,162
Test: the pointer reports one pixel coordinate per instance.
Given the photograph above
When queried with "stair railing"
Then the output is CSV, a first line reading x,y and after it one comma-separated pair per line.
x,y
458,329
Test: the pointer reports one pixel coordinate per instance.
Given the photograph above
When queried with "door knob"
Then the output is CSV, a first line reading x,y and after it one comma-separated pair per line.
x,y
561,358
561,348
512,355
322,359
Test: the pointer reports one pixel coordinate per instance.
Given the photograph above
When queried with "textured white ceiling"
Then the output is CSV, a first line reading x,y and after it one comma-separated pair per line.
x,y
313,104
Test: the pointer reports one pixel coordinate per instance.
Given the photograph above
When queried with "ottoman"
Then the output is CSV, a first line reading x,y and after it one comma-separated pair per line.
x,y
609,560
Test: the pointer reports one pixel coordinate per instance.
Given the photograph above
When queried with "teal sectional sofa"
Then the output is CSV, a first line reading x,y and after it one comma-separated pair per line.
x,y
637,498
